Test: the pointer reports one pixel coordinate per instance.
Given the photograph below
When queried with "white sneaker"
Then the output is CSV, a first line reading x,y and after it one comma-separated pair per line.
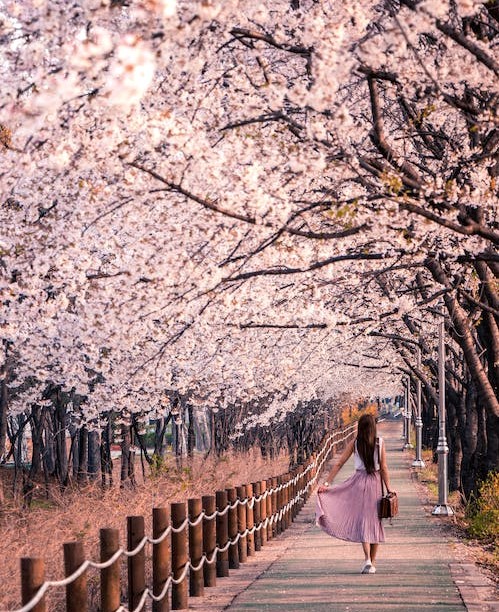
x,y
367,568
371,570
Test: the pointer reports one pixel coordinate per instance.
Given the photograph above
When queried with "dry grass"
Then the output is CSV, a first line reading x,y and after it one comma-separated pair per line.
x,y
79,514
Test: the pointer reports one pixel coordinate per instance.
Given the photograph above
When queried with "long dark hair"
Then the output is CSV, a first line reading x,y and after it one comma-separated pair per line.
x,y
366,441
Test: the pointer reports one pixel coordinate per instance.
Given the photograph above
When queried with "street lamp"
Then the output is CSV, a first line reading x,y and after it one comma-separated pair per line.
x,y
442,508
403,409
407,414
418,462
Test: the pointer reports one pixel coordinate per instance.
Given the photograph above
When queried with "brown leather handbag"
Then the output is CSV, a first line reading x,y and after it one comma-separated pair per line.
x,y
389,503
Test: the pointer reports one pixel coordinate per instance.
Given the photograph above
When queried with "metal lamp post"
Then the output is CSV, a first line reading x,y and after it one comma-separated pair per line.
x,y
442,508
418,462
407,414
402,412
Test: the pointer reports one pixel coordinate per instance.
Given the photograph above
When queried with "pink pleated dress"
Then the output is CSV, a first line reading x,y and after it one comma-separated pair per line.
x,y
349,511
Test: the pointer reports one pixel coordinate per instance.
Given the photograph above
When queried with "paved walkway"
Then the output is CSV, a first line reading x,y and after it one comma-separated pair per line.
x,y
305,569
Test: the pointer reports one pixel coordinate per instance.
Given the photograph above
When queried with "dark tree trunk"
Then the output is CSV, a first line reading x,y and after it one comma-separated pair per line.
x,y
461,424
191,438
93,454
4,400
213,433
471,442
49,450
37,416
75,452
59,418
125,453
83,455
131,459
489,336
159,436
127,458
492,426
455,454
105,456
481,454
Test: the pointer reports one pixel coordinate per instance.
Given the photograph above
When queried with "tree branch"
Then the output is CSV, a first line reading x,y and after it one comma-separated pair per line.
x,y
469,45
393,337
315,266
481,305
191,196
379,138
242,33
266,117
276,326
470,229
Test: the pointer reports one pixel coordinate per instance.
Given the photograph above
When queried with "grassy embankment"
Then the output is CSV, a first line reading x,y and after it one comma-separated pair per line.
x,y
476,520
79,513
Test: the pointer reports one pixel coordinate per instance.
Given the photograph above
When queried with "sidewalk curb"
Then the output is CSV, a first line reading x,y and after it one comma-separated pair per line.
x,y
477,591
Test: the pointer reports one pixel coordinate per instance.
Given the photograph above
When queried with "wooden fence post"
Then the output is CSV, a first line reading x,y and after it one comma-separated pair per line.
x,y
269,508
306,478
233,548
209,540
76,592
137,563
110,576
292,510
294,492
160,559
313,471
222,534
280,497
257,516
284,500
32,578
241,524
196,580
263,512
275,504
287,499
250,522
298,489
299,486
180,556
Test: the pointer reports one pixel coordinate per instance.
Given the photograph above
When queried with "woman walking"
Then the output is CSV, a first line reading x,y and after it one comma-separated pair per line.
x,y
349,511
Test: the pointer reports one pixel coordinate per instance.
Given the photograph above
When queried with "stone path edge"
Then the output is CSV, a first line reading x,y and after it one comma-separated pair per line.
x,y
288,541
228,589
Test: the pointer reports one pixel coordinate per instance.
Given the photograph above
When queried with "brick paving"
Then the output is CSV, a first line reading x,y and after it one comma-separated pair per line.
x,y
304,569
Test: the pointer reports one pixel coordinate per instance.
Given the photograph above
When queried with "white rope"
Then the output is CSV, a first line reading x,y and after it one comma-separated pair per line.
x,y
161,537
250,502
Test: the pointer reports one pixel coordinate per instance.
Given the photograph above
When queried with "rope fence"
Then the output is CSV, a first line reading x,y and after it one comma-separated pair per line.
x,y
204,541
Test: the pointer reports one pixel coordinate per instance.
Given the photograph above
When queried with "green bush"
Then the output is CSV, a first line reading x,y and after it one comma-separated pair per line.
x,y
483,511
159,466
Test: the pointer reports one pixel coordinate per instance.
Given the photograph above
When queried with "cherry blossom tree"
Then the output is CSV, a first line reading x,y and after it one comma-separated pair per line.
x,y
238,201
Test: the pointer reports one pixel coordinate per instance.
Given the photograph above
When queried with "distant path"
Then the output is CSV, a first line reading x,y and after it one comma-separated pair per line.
x,y
313,572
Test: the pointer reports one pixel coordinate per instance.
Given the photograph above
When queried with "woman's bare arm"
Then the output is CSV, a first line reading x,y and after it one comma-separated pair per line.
x,y
338,465
383,469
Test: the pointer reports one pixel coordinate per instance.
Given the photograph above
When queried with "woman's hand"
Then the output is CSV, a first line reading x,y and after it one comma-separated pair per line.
x,y
323,488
